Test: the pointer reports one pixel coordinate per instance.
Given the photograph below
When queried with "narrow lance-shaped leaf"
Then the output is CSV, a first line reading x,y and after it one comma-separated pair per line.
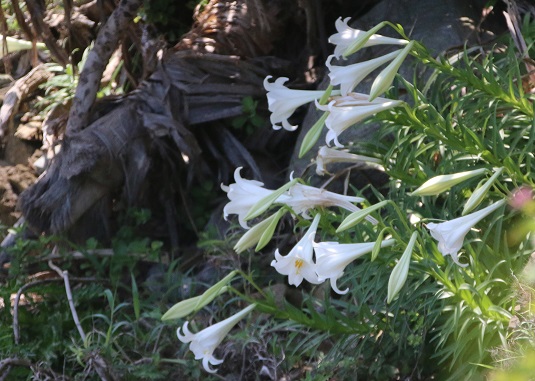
x,y
401,270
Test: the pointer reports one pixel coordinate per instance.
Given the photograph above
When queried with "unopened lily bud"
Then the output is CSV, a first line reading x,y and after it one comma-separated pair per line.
x,y
356,217
186,307
385,78
264,203
399,274
480,193
260,234
328,155
442,183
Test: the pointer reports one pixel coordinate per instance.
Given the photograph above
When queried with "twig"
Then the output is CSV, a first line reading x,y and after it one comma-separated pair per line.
x,y
13,361
96,62
80,255
65,275
16,331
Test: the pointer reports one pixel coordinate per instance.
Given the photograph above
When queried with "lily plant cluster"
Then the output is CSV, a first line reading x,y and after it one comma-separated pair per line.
x,y
313,259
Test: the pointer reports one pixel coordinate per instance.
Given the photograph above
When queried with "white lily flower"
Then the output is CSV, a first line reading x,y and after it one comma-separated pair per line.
x,y
204,343
282,101
328,155
243,195
346,36
348,77
344,112
298,264
450,234
333,257
301,198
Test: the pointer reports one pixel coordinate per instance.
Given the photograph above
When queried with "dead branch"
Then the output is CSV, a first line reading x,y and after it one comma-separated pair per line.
x,y
22,21
16,303
65,275
20,90
7,364
97,60
16,330
37,15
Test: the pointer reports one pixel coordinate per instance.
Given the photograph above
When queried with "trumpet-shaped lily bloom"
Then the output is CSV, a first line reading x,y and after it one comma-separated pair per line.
x,y
348,77
450,234
243,195
333,257
346,35
301,198
328,155
299,264
347,111
282,101
204,343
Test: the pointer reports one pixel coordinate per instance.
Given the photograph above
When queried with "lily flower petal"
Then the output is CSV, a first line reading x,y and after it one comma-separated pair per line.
x,y
282,101
333,257
204,343
344,113
301,198
346,36
348,77
299,264
450,234
243,195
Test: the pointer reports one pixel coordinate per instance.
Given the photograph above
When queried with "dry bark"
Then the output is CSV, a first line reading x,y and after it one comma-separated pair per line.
x,y
98,58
